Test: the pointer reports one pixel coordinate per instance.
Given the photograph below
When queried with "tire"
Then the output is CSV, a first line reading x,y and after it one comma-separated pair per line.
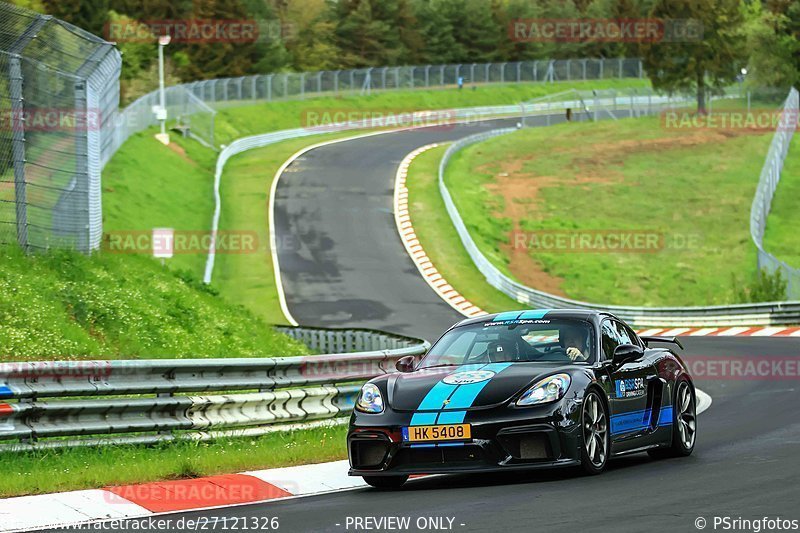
x,y
385,482
684,423
595,434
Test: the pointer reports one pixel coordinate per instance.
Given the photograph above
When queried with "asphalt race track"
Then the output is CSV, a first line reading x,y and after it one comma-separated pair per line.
x,y
351,269
344,264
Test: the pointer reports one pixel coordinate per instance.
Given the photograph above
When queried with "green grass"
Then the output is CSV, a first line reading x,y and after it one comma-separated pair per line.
x,y
628,175
66,306
82,468
780,237
234,122
438,236
148,185
249,279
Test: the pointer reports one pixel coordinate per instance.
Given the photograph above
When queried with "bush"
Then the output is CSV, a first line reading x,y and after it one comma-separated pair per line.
x,y
766,287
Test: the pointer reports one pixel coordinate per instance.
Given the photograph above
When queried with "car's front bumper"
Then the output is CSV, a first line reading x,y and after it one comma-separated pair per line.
x,y
504,438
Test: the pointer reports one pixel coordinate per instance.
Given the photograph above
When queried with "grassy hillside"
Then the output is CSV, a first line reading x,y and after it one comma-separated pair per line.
x,y
691,188
64,305
780,238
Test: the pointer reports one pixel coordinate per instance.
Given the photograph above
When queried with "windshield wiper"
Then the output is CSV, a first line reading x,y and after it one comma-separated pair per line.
x,y
438,366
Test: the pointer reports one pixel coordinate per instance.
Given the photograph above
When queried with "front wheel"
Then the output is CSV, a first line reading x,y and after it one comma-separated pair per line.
x,y
385,482
684,424
596,441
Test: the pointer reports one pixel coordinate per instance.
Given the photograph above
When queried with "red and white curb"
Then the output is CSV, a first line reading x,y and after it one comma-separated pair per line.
x,y
140,501
405,228
738,331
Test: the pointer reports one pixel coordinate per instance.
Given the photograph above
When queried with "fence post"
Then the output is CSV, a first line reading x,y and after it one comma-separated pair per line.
x,y
427,76
336,81
413,69
619,66
441,75
319,82
602,65
303,85
18,148
269,86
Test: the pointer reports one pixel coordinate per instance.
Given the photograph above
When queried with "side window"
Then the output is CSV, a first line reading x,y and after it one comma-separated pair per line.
x,y
622,334
610,339
634,338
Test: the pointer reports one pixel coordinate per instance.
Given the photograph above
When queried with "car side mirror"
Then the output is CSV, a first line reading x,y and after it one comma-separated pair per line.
x,y
625,353
405,364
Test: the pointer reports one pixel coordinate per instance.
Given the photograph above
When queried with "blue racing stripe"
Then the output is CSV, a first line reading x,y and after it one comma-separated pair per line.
x,y
509,315
464,397
534,314
639,420
451,417
5,392
423,419
436,396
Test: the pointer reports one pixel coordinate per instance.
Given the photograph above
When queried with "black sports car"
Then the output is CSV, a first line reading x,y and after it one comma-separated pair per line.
x,y
524,390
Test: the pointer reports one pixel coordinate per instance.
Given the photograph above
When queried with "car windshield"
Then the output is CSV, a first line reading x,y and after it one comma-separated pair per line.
x,y
529,341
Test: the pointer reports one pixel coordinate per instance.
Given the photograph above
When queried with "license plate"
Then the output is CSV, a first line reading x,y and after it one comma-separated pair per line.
x,y
437,432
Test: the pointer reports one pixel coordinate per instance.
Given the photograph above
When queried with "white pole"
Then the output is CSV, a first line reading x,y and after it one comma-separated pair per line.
x,y
161,84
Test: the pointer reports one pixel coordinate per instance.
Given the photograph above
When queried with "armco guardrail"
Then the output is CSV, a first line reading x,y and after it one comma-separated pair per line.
x,y
772,313
128,398
634,104
767,183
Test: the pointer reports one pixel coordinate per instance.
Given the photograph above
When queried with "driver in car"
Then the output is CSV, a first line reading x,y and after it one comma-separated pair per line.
x,y
573,340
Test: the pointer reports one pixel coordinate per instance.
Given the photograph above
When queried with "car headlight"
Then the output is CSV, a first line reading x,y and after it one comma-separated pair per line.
x,y
549,389
370,399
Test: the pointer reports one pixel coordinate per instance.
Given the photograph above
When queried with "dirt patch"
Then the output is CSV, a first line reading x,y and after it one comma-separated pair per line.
x,y
178,149
594,163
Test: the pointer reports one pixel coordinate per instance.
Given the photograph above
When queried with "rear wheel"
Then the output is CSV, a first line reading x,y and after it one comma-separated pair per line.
x,y
684,424
595,436
385,482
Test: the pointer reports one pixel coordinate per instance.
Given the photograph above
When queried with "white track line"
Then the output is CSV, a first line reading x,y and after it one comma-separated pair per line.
x,y
703,400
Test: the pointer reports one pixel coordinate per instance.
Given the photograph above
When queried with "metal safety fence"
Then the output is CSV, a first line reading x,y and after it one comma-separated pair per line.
x,y
199,101
771,313
79,403
767,183
59,95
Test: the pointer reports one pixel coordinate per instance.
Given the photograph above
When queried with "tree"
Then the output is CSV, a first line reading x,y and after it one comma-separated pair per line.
x,y
773,48
703,64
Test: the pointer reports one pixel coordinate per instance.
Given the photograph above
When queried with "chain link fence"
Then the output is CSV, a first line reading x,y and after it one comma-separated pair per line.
x,y
59,95
191,106
767,183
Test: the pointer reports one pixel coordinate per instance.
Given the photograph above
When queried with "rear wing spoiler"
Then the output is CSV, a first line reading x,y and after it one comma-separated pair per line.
x,y
673,340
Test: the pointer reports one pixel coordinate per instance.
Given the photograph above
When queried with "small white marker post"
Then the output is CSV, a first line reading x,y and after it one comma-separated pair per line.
x,y
163,243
